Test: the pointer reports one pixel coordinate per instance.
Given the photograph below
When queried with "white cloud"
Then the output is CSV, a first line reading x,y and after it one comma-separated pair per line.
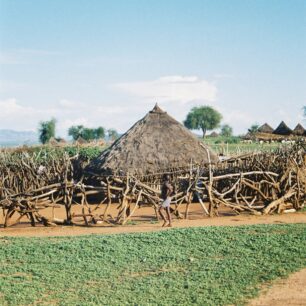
x,y
65,124
14,115
69,104
116,109
237,116
10,107
173,88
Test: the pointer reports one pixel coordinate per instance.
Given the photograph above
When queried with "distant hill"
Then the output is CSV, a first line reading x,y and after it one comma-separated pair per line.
x,y
11,138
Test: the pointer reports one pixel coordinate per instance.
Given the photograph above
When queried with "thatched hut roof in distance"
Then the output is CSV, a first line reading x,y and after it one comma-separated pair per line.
x,y
265,128
61,141
282,129
213,134
153,144
81,141
299,130
52,141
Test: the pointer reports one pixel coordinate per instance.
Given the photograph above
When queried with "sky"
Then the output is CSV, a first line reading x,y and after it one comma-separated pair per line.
x,y
106,63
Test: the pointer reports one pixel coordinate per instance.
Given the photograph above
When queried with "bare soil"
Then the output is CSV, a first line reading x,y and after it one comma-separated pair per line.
x,y
284,292
144,221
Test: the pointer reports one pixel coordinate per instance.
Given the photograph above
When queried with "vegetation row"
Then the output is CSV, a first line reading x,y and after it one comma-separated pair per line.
x,y
195,266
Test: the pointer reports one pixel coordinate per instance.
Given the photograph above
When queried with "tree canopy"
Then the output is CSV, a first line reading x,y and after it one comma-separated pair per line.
x,y
112,134
77,131
254,128
226,130
46,130
203,118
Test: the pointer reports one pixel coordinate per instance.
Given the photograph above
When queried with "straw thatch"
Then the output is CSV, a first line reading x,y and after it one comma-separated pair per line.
x,y
265,128
283,129
214,134
52,141
299,130
81,141
153,144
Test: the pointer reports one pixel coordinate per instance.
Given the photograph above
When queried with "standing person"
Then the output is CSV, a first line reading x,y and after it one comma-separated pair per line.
x,y
166,193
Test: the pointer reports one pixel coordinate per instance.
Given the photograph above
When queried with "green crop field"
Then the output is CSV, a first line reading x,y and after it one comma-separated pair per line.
x,y
234,145
203,266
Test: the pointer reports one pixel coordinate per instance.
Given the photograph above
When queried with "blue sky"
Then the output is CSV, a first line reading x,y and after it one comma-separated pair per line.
x,y
106,63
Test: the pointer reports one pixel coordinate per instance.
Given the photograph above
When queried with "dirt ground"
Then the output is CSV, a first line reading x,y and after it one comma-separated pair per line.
x,y
284,292
144,220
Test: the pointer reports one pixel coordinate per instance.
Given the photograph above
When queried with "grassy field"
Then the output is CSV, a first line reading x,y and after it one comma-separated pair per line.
x,y
234,145
204,266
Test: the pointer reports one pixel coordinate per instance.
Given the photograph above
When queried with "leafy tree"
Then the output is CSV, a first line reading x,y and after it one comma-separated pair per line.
x,y
46,130
304,109
254,128
99,132
76,131
204,118
88,134
226,130
112,134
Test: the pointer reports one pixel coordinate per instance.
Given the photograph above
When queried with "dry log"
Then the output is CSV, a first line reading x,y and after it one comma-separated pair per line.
x,y
279,201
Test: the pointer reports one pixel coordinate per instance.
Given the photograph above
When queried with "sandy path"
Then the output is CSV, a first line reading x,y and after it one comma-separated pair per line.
x,y
290,291
143,225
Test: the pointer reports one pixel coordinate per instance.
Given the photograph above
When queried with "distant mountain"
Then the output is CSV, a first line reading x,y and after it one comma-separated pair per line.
x,y
11,138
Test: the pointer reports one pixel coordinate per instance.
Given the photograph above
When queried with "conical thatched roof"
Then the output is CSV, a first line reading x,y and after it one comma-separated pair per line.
x,y
81,141
299,130
52,141
155,143
214,134
283,129
265,128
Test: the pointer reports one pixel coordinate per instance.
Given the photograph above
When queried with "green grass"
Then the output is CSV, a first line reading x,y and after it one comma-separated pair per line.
x,y
234,145
203,266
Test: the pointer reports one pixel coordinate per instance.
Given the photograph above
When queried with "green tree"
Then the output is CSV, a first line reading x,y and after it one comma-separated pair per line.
x,y
88,134
226,130
112,134
99,132
204,118
76,131
254,128
46,130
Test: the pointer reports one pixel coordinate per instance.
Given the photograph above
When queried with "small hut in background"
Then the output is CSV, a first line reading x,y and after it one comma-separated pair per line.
x,y
213,134
81,141
283,129
265,128
299,130
61,141
53,142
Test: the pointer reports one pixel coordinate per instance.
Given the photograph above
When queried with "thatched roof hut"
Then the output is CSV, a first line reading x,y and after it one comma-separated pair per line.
x,y
52,141
155,143
282,129
265,128
81,141
299,130
213,134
